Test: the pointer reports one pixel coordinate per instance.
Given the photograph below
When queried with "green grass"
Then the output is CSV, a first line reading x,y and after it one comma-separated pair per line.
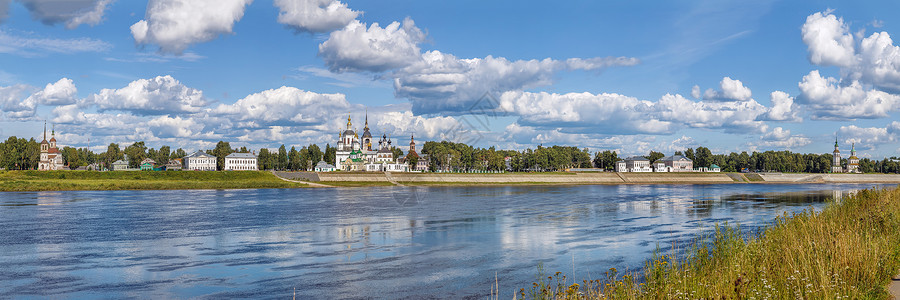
x,y
753,177
356,183
138,180
848,250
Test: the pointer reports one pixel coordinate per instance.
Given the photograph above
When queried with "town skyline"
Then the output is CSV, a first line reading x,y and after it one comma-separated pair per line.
x,y
770,76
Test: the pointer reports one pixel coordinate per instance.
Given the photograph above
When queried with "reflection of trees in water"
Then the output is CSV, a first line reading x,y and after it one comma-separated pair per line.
x,y
786,197
702,207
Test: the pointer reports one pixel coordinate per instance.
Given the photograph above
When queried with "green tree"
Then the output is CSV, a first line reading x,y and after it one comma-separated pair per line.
x,y
330,153
702,157
153,154
222,150
654,156
315,154
689,153
71,158
281,162
178,154
136,152
293,159
112,154
264,160
397,152
163,155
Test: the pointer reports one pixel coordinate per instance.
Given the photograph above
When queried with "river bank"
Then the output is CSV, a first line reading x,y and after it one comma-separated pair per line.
x,y
174,180
380,179
11,181
851,249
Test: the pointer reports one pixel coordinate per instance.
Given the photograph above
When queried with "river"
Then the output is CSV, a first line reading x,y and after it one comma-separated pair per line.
x,y
373,242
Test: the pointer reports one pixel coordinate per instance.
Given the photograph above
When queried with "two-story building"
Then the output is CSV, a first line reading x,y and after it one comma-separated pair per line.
x,y
674,163
200,161
241,162
634,164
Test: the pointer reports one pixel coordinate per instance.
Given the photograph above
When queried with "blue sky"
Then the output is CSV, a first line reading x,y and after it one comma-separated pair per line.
x,y
625,76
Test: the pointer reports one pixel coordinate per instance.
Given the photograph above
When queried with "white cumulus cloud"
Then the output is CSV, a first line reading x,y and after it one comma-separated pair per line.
x,y
783,108
62,92
284,106
870,136
740,117
177,127
730,90
70,12
601,113
155,96
829,40
783,139
11,101
828,99
176,24
441,82
374,49
314,16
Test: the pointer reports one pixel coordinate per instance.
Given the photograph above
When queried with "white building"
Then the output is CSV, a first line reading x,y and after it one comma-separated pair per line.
x,y
120,165
635,164
200,161
384,159
674,163
241,162
51,158
853,161
836,159
323,166
348,142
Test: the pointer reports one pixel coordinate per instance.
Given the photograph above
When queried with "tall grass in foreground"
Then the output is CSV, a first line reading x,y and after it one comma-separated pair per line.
x,y
848,250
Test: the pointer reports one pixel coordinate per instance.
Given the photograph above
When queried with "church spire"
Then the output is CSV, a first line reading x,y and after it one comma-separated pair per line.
x,y
367,119
348,121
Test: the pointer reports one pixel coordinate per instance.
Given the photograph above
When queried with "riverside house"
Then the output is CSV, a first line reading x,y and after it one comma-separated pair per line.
x,y
147,164
174,165
200,161
120,165
323,166
674,163
634,164
241,162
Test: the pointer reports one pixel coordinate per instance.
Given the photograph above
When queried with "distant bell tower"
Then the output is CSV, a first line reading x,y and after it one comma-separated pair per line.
x,y
836,159
412,143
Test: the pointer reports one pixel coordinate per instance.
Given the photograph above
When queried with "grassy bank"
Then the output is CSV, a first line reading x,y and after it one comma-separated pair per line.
x,y
848,250
137,180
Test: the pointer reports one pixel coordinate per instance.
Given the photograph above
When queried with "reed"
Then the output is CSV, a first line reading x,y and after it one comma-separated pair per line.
x,y
850,249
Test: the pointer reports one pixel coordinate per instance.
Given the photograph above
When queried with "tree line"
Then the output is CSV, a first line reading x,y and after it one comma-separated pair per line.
x,y
24,154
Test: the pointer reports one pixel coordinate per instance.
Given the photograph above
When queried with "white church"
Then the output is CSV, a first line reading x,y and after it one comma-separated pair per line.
x,y
51,158
356,154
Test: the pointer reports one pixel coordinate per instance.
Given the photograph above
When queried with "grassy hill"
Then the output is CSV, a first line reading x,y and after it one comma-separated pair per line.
x,y
138,180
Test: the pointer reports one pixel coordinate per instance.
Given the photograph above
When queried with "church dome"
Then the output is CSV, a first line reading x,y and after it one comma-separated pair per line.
x,y
366,133
349,132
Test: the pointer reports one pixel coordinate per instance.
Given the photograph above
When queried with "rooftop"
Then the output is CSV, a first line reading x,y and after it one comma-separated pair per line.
x,y
241,155
199,154
674,158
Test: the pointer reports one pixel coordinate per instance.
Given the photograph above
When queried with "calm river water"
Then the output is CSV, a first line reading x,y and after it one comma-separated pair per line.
x,y
379,242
